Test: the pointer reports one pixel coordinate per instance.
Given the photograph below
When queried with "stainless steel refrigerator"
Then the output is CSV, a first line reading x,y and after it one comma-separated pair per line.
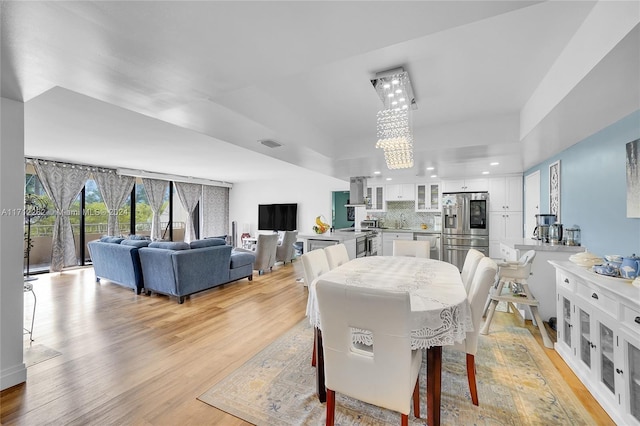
x,y
465,217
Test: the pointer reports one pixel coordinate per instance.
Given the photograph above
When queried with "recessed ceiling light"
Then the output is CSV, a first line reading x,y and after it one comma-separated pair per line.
x,y
388,178
434,176
377,172
485,173
386,85
495,163
430,168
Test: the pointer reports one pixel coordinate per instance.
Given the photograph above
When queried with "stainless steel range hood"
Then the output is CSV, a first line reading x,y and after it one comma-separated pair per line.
x,y
357,191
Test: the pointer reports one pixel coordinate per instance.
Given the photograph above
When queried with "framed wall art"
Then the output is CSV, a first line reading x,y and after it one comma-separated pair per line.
x,y
633,179
554,189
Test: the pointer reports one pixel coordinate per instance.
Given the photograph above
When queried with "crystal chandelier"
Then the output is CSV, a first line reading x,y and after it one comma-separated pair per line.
x,y
394,120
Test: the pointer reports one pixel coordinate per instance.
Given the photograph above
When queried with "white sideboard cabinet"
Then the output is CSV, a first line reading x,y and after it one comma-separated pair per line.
x,y
599,337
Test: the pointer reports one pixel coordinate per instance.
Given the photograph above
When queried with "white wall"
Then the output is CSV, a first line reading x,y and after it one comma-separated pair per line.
x,y
312,196
12,368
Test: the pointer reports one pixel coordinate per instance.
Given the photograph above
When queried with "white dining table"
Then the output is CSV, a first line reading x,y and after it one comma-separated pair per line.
x,y
440,311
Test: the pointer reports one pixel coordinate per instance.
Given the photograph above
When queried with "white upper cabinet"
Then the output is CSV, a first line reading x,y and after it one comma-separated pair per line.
x,y
375,199
428,197
465,185
400,192
505,194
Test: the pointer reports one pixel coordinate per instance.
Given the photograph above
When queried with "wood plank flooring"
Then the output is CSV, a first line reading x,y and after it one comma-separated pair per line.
x,y
138,360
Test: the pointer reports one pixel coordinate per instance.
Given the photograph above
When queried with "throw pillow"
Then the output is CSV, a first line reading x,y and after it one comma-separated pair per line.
x,y
207,242
135,243
170,245
139,237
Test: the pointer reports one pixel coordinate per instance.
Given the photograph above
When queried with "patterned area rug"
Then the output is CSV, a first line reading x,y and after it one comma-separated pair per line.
x,y
517,385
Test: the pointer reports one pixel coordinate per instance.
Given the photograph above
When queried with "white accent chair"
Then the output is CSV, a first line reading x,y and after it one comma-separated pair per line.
x,y
385,374
285,251
412,248
336,255
265,252
483,279
469,267
512,287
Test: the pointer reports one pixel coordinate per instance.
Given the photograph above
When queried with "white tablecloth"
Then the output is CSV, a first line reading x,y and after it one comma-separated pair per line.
x,y
439,308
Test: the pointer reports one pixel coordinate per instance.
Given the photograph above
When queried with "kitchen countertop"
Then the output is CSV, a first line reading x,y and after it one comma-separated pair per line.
x,y
411,230
337,235
531,244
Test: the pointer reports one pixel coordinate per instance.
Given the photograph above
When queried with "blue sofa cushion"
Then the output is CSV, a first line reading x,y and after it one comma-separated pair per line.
x,y
135,243
169,245
139,237
241,259
111,239
207,242
222,237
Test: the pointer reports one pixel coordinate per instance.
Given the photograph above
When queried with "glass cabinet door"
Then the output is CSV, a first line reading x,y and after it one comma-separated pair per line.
x,y
421,197
634,380
379,198
369,198
566,321
607,369
585,337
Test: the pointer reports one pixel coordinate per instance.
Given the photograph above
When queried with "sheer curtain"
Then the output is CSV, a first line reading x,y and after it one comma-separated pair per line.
x,y
155,190
189,195
215,211
114,189
63,183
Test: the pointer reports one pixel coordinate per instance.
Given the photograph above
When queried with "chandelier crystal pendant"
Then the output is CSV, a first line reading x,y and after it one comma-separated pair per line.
x,y
394,120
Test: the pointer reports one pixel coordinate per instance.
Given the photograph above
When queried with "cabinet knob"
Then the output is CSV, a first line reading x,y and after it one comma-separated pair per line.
x,y
570,325
594,296
566,280
637,320
592,345
618,371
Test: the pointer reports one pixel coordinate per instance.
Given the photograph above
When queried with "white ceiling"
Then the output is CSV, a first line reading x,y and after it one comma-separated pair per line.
x,y
190,88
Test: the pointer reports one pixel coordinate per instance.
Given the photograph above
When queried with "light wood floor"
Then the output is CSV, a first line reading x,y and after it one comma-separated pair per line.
x,y
138,360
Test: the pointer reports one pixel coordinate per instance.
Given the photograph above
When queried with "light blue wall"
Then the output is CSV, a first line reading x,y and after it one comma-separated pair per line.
x,y
593,189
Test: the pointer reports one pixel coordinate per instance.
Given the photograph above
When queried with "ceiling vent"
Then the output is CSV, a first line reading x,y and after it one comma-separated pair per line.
x,y
269,143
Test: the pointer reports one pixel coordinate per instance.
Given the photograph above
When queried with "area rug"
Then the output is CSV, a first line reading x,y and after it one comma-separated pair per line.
x,y
517,385
38,353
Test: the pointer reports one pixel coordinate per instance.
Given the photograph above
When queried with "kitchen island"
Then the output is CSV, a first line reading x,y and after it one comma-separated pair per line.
x,y
348,237
542,281
419,234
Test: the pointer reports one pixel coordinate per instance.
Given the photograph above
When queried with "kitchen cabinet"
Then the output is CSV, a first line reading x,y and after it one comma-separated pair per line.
x,y
400,192
503,226
465,185
505,194
599,337
428,197
375,199
389,237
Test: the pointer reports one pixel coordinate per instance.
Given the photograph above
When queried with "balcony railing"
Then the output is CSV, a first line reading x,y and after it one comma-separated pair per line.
x,y
99,228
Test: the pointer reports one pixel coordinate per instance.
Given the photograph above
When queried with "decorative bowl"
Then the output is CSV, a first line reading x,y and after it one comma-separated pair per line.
x,y
586,259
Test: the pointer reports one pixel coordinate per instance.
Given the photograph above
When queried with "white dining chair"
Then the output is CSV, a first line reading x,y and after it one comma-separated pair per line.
x,y
469,266
337,255
483,279
314,264
385,374
411,248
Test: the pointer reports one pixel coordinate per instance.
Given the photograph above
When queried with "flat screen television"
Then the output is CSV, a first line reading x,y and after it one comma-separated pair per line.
x,y
277,217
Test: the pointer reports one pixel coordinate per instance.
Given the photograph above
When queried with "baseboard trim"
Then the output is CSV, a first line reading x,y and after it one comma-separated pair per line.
x,y
13,376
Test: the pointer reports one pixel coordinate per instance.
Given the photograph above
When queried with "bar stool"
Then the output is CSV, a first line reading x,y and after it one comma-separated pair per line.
x,y
512,287
28,287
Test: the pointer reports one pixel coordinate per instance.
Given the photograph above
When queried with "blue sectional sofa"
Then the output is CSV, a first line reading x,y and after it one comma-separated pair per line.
x,y
116,259
181,269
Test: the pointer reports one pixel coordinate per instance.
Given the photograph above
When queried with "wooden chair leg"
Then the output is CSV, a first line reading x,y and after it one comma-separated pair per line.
x,y
331,407
416,399
471,377
404,421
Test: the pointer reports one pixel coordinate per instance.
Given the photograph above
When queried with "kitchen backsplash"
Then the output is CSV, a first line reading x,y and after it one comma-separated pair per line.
x,y
404,211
